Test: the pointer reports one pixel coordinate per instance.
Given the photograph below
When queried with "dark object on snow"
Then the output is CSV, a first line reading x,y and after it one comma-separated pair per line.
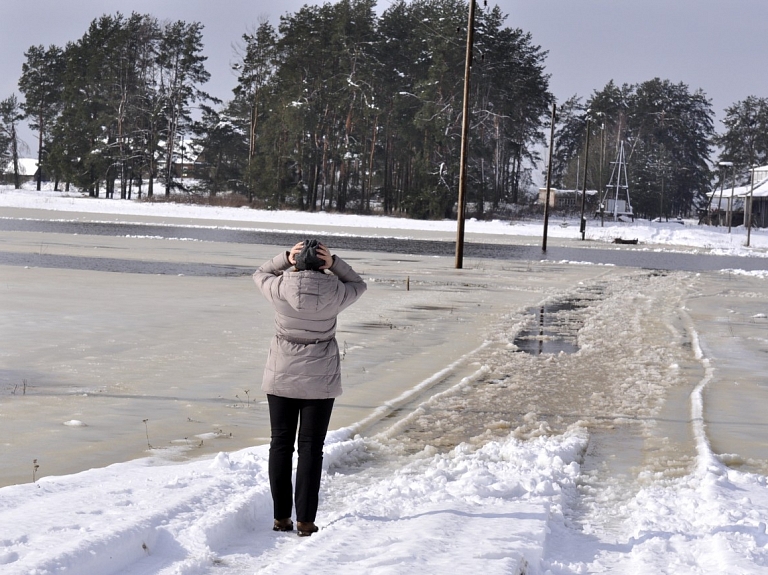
x,y
307,258
623,241
283,525
306,528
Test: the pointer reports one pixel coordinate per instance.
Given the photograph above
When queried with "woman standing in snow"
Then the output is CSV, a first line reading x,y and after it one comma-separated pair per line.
x,y
308,287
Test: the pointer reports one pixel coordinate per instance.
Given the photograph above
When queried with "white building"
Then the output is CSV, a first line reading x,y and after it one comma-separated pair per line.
x,y
27,170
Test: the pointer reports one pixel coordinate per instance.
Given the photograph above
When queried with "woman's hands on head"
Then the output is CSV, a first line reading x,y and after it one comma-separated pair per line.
x,y
324,254
294,252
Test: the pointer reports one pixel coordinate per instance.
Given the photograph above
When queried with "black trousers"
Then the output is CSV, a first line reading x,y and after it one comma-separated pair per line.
x,y
312,417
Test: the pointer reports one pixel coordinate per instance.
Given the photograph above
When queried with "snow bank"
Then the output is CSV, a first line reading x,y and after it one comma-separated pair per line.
x,y
487,507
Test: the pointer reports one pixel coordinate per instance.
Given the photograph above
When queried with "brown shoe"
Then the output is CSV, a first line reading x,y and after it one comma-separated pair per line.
x,y
306,528
283,525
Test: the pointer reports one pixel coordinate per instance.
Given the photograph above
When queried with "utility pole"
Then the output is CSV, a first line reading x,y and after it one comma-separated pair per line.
x,y
549,177
583,221
464,140
730,200
722,184
749,215
602,161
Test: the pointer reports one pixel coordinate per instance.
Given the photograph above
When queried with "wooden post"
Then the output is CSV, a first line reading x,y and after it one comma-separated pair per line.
x,y
464,140
749,215
549,177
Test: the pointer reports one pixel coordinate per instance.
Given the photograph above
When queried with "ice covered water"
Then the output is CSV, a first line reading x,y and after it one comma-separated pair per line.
x,y
732,316
170,365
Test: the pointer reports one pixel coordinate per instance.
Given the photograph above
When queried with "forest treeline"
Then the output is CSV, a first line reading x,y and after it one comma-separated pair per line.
x,y
337,107
340,108
669,137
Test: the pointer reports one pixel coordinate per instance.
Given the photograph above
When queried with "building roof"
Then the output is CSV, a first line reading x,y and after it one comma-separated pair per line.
x,y
27,167
565,192
760,191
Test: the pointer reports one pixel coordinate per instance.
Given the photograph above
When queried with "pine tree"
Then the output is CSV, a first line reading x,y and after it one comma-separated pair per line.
x,y
570,135
673,129
512,104
255,71
10,115
41,83
668,134
182,71
225,146
127,89
745,141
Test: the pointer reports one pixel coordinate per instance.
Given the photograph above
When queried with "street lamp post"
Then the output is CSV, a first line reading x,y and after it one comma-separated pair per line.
x,y
602,160
583,221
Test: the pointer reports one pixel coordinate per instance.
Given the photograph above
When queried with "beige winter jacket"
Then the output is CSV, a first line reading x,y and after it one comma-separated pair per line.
x,y
303,359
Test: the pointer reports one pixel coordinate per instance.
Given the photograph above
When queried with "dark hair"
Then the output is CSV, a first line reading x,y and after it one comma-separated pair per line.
x,y
307,258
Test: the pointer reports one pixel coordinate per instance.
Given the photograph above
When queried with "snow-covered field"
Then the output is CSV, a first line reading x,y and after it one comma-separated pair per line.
x,y
518,496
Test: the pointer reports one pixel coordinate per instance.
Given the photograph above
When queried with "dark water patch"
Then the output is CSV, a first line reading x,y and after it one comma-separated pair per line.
x,y
538,345
554,329
652,260
563,306
123,266
376,325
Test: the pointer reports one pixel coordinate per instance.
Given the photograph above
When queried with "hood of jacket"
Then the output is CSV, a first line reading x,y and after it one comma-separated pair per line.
x,y
309,291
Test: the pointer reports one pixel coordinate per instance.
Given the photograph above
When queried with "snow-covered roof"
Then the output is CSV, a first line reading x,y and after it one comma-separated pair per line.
x,y
728,192
566,192
761,189
27,167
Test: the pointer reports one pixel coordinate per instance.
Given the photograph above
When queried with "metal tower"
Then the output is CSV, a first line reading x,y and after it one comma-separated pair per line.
x,y
615,200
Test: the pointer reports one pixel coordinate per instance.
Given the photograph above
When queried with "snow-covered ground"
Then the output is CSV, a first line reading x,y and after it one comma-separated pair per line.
x,y
477,477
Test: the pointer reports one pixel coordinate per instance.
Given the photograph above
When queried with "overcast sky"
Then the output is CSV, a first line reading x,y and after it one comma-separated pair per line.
x,y
719,46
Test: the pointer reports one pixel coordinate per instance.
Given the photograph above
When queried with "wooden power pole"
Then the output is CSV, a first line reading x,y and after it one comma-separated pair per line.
x,y
549,177
464,141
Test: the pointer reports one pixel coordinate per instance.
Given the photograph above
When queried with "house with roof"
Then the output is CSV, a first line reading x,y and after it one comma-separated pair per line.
x,y
188,158
759,196
567,200
728,204
27,171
